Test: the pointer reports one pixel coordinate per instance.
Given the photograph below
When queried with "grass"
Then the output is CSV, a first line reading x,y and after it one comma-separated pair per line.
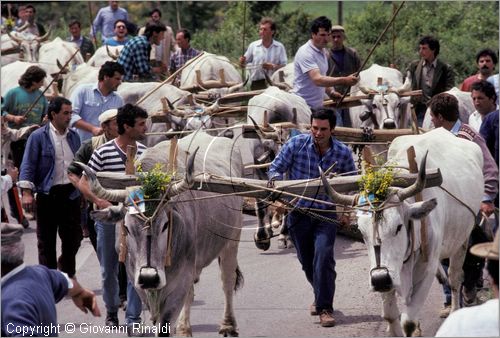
x,y
327,8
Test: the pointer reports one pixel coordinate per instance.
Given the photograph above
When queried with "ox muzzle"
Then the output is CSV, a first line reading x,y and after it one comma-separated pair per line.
x,y
148,277
379,276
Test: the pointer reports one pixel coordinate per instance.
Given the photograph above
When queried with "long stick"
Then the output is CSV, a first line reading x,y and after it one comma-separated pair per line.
x,y
92,30
170,78
373,49
51,82
243,40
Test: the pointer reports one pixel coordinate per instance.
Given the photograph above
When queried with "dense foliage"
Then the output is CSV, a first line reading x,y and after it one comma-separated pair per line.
x,y
227,27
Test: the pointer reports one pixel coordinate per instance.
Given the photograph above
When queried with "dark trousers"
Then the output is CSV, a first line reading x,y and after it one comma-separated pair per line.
x,y
56,213
17,152
420,109
314,240
258,84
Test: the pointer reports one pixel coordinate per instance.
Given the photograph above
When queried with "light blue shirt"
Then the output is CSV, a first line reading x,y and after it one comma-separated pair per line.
x,y
257,54
307,58
104,22
88,103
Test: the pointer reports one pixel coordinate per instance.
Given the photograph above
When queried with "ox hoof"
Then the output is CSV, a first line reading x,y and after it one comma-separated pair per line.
x,y
289,243
183,332
282,243
264,244
228,331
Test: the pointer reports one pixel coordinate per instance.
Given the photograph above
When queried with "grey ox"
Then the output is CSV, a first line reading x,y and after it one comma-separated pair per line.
x,y
391,230
202,229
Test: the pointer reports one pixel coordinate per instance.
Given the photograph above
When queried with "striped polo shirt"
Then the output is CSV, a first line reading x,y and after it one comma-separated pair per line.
x,y
109,157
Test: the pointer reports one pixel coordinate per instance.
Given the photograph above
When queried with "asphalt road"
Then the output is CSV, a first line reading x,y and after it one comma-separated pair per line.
x,y
274,300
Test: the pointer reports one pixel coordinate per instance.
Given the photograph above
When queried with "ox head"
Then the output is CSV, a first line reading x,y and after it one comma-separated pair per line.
x,y
29,45
387,228
385,108
146,238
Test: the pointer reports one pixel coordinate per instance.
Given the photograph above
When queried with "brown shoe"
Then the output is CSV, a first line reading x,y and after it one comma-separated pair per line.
x,y
445,311
326,318
312,310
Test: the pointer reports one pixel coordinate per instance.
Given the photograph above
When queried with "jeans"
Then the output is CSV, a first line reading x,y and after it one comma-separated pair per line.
x,y
314,240
108,259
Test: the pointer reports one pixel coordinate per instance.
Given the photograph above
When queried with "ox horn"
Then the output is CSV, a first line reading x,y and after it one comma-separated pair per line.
x,y
113,195
17,39
264,134
419,184
237,87
23,27
335,196
188,180
45,37
114,57
280,85
214,108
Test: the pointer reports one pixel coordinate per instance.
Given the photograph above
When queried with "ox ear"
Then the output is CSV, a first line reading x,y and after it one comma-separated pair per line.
x,y
110,215
419,210
404,99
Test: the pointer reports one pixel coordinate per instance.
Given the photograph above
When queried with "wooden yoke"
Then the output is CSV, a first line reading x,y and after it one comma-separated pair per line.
x,y
130,170
418,198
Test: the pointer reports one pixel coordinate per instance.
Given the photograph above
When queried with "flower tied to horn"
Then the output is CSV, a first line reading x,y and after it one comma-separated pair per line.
x,y
153,185
376,182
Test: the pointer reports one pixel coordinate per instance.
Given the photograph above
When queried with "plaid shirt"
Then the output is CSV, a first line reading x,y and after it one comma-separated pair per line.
x,y
134,58
180,57
300,159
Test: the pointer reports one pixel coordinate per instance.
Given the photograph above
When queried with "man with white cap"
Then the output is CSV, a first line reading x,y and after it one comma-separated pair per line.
x,y
481,320
108,124
24,308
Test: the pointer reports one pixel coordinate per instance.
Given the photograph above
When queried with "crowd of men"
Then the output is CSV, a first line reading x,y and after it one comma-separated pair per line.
x,y
94,126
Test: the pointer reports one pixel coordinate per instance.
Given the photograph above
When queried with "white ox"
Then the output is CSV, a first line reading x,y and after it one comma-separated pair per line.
x,y
465,107
58,50
202,230
101,55
396,261
286,74
10,50
385,109
29,44
210,67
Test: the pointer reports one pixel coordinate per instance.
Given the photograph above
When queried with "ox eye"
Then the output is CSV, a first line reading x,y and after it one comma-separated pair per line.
x,y
126,228
164,226
374,106
398,229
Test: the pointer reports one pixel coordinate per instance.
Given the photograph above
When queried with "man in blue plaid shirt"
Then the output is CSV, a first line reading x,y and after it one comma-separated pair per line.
x,y
183,54
314,237
134,56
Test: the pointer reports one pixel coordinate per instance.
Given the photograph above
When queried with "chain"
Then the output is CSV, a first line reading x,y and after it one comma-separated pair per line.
x,y
307,212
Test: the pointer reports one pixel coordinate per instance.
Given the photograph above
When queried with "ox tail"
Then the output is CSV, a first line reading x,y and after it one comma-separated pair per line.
x,y
239,279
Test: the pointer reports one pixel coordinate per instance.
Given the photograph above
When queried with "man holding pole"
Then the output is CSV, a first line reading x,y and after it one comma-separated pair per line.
x,y
25,106
311,65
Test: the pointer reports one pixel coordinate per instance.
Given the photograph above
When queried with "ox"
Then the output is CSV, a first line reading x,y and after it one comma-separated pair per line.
x,y
465,107
391,230
201,231
284,77
210,68
56,51
29,44
385,109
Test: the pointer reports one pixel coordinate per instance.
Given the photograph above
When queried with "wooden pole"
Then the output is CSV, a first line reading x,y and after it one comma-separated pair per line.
x,y
50,84
129,163
92,30
170,78
418,198
373,49
243,40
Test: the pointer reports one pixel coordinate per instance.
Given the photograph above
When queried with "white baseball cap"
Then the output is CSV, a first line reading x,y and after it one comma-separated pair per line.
x,y
108,115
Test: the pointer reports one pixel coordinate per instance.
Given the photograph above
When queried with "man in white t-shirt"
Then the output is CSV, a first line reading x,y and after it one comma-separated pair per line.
x,y
484,98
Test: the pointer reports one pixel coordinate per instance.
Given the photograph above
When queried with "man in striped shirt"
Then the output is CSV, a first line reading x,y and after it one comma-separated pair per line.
x,y
111,156
313,233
